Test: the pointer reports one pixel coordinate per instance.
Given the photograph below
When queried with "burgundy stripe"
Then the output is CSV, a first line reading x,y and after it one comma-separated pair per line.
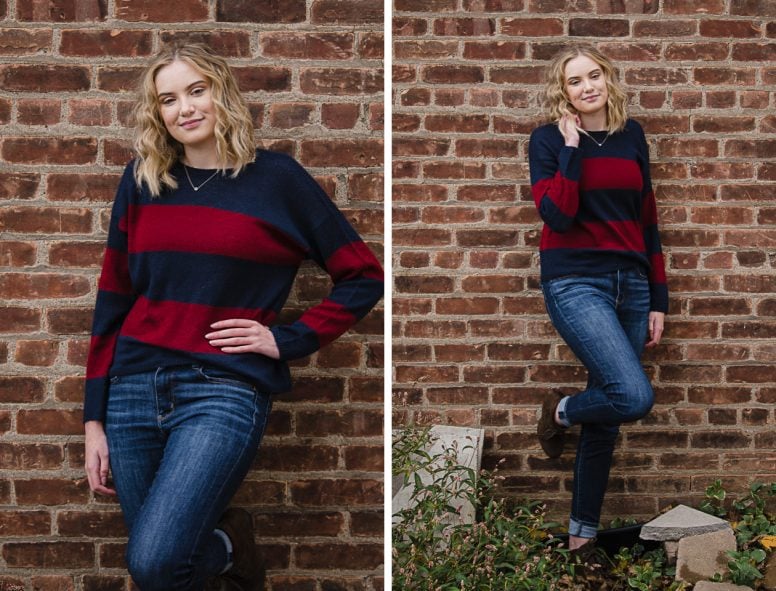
x,y
115,272
354,260
328,320
182,326
207,230
610,173
101,349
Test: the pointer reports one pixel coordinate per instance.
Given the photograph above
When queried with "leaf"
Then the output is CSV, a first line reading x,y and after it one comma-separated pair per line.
x,y
768,542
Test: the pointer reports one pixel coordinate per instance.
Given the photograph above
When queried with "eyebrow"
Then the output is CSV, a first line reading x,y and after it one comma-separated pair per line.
x,y
161,94
590,73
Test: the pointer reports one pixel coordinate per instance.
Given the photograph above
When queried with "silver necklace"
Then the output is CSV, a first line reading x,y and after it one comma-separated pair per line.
x,y
596,142
198,187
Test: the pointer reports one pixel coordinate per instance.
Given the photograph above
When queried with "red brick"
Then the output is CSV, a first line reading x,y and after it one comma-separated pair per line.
x,y
93,524
364,458
49,422
62,10
263,78
25,41
532,27
344,152
38,353
318,46
664,28
300,524
225,43
90,112
118,78
70,555
696,51
46,220
340,81
718,125
44,78
464,27
150,11
690,7
76,254
88,43
598,27
727,28
50,150
347,12
339,115
351,492
31,456
425,6
339,556
21,389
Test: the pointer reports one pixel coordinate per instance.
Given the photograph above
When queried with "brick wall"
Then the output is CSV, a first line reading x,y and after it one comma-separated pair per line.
x,y
312,73
472,342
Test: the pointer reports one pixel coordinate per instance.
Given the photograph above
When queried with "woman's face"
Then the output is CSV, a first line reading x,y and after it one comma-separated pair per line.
x,y
186,105
585,85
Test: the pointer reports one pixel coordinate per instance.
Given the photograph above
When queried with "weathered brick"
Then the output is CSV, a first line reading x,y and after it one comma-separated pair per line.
x,y
150,11
44,78
347,12
318,46
49,150
88,43
49,555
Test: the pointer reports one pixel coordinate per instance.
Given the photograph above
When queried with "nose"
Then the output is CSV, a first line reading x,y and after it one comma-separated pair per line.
x,y
186,106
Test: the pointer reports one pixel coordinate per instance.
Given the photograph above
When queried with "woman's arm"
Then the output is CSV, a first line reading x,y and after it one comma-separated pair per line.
x,y
555,166
356,274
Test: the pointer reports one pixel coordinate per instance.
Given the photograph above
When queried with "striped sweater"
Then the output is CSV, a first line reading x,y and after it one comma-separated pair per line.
x,y
176,264
597,205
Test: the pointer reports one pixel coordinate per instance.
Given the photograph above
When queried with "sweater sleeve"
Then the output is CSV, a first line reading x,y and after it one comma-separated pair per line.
x,y
555,170
356,274
114,300
657,273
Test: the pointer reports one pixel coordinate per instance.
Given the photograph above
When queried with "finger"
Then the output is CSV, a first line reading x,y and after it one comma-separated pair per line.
x,y
233,341
234,322
243,349
229,332
104,490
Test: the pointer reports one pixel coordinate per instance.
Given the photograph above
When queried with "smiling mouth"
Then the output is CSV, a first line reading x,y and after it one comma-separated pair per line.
x,y
190,123
591,98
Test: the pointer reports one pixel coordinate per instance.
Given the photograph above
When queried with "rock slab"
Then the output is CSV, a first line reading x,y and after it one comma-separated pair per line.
x,y
680,522
700,557
708,586
769,579
467,443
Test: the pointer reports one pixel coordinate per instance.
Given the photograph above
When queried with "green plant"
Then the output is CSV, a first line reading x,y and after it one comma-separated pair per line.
x,y
508,547
743,566
752,525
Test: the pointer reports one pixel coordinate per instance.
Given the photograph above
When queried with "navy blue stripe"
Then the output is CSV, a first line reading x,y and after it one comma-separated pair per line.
x,y
211,280
609,205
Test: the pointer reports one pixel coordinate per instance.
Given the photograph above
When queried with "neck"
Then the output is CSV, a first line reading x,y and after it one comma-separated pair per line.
x,y
201,156
594,122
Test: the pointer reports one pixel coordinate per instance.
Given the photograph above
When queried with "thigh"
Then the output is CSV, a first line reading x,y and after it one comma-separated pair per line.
x,y
584,312
135,442
633,309
213,435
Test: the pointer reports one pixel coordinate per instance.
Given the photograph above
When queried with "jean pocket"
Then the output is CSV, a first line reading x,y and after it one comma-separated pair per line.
x,y
219,376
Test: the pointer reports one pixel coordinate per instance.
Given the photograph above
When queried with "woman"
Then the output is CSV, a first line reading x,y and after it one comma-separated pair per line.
x,y
602,269
205,239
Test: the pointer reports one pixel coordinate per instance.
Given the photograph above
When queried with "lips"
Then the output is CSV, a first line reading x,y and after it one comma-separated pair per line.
x,y
590,99
191,123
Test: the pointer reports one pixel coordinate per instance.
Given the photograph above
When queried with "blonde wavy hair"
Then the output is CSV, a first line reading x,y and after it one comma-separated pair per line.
x,y
556,101
157,151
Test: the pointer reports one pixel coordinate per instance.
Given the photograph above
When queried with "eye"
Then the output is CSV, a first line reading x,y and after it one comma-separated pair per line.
x,y
168,100
199,90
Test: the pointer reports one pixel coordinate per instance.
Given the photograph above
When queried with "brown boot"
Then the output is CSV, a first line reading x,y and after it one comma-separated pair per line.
x,y
551,435
247,572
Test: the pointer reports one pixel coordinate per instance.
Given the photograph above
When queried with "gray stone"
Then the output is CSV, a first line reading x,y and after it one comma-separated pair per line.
x,y
679,522
708,586
467,443
672,549
701,557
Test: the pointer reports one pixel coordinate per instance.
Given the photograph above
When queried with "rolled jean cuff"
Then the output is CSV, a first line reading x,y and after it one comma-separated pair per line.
x,y
582,530
562,412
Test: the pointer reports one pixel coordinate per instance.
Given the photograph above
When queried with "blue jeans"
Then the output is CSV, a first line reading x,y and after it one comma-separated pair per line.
x,y
181,440
604,319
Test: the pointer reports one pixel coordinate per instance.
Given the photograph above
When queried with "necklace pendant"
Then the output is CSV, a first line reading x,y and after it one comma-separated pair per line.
x,y
196,188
